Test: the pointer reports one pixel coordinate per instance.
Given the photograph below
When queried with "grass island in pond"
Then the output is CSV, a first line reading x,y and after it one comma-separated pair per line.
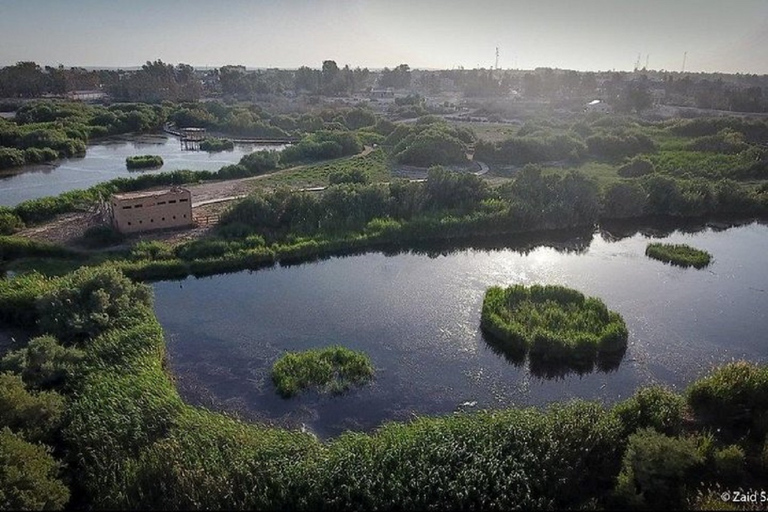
x,y
333,369
678,254
213,145
552,323
143,162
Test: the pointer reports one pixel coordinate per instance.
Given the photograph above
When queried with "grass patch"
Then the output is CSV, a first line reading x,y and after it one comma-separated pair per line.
x,y
492,132
678,254
604,174
374,166
552,323
143,162
213,145
333,369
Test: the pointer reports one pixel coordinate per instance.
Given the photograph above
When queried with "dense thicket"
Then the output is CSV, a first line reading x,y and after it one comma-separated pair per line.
x,y
430,141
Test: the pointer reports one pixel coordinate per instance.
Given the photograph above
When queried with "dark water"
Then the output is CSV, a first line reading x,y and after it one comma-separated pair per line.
x,y
417,317
105,160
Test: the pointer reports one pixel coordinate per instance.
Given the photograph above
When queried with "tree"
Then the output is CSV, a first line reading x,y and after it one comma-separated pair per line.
x,y
89,301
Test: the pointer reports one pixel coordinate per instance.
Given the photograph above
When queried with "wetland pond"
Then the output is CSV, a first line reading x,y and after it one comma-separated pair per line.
x,y
105,160
417,315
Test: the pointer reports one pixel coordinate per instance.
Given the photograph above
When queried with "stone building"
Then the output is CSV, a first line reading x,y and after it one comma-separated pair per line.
x,y
151,209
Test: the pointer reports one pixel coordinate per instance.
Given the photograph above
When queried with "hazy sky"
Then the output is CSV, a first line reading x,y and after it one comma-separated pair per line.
x,y
719,35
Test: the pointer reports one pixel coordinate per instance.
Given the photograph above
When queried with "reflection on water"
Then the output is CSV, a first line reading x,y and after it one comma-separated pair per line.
x,y
417,313
105,160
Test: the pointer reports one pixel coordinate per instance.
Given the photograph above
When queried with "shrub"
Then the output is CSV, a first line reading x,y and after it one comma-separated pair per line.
x,y
18,298
9,222
11,157
652,407
678,254
624,200
260,162
143,162
29,476
657,470
34,416
635,168
43,363
101,236
332,369
733,397
347,176
88,302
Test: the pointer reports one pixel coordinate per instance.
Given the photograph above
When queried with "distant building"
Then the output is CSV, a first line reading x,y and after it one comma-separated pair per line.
x,y
598,106
155,209
86,96
389,92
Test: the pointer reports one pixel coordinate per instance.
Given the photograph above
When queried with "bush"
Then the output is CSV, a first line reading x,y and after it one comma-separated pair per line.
x,y
43,363
678,254
10,157
652,407
657,471
348,176
37,417
624,200
333,369
635,168
18,298
88,302
9,222
260,162
733,397
101,236
29,476
143,162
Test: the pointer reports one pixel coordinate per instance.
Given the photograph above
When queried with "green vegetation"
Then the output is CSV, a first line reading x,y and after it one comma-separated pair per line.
x,y
130,442
323,145
213,145
430,141
46,130
143,162
678,254
552,323
333,369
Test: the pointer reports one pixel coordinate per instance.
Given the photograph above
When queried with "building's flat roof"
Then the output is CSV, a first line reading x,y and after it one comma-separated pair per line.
x,y
149,193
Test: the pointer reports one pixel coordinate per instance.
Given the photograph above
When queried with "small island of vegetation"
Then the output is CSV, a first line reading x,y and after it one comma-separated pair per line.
x,y
678,254
213,145
552,323
333,369
143,162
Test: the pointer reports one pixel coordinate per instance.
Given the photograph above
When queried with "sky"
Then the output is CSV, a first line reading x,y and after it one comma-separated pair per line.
x,y
727,36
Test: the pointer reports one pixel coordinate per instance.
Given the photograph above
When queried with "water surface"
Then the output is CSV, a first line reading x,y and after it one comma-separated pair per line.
x,y
417,316
105,160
